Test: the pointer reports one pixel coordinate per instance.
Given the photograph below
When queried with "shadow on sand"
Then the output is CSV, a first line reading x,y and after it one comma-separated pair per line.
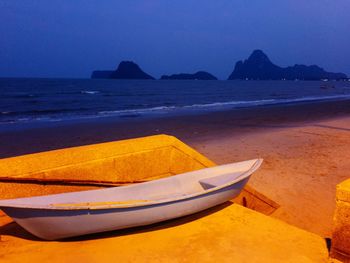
x,y
332,127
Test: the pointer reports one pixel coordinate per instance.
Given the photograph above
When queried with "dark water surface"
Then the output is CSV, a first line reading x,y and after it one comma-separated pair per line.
x,y
34,100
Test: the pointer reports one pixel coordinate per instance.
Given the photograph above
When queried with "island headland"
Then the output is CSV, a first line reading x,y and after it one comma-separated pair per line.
x,y
125,70
200,75
258,66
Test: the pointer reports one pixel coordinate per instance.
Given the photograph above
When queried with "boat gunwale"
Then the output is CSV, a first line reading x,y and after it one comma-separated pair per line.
x,y
245,174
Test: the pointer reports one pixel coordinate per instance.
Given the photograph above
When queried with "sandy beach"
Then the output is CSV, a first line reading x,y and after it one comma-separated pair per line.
x,y
305,148
159,131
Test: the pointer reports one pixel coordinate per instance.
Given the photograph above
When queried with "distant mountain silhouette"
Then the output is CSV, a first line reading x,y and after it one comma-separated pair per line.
x,y
129,70
125,70
259,67
101,74
200,75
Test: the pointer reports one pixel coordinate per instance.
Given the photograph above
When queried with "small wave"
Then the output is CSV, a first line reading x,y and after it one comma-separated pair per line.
x,y
85,113
222,105
91,92
145,110
314,98
77,92
231,103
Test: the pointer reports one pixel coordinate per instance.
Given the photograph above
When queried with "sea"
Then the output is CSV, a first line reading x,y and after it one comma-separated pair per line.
x,y
54,100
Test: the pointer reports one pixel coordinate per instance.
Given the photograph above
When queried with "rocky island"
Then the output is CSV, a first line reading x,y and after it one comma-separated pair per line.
x,y
259,67
200,75
125,70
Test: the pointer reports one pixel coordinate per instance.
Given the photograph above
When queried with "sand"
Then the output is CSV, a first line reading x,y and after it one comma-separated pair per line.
x,y
303,164
305,148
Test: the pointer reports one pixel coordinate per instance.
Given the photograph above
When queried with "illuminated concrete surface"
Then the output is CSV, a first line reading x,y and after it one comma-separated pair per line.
x,y
132,160
228,233
115,162
341,233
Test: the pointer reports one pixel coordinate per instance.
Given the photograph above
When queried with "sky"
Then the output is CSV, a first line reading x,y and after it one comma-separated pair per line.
x,y
71,38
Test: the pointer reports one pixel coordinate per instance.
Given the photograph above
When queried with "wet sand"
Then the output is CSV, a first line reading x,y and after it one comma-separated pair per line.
x,y
305,148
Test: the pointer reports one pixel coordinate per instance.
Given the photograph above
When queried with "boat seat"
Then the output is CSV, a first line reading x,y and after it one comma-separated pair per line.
x,y
215,181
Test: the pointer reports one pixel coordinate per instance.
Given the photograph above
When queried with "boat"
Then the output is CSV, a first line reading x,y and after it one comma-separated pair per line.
x,y
64,215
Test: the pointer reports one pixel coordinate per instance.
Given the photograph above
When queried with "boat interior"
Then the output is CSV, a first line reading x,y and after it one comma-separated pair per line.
x,y
163,189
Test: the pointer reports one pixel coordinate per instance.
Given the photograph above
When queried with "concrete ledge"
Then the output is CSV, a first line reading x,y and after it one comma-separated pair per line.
x,y
341,234
107,164
343,191
254,200
226,233
91,166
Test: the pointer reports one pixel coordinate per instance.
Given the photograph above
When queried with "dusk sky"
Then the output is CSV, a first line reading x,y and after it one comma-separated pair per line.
x,y
71,38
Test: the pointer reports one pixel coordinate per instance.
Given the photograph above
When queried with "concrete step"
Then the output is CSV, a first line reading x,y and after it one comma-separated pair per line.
x,y
227,233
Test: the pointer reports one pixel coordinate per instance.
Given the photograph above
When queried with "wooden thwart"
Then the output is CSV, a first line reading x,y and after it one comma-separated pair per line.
x,y
58,181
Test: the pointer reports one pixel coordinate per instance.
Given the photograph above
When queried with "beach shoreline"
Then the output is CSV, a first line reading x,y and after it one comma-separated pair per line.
x,y
304,147
42,136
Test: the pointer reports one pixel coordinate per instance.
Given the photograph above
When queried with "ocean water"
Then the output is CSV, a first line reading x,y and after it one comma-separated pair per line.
x,y
43,100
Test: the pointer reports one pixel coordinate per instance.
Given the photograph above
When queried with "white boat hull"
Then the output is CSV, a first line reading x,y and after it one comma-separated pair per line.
x,y
57,223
